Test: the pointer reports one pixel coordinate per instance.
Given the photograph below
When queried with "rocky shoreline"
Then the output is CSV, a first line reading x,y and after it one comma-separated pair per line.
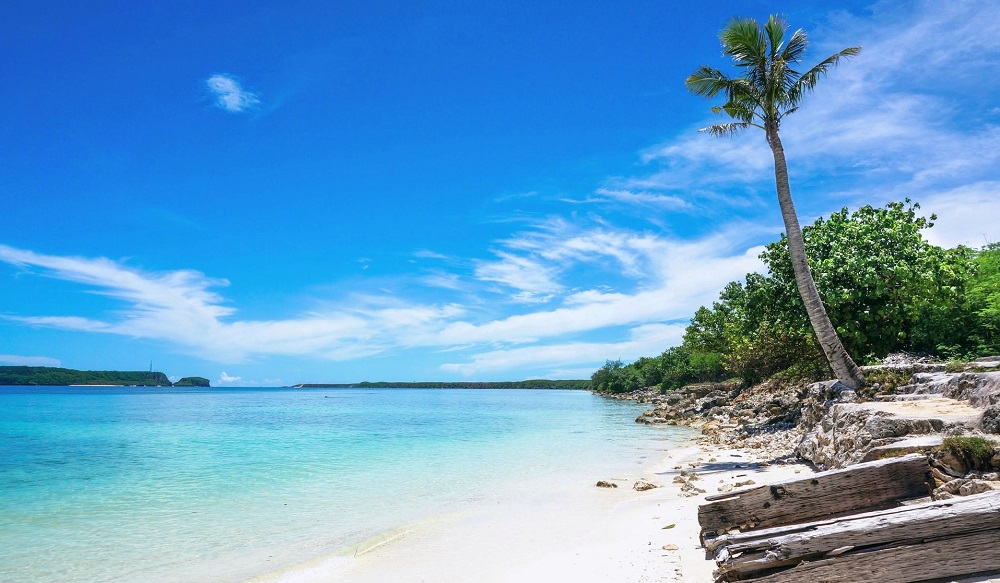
x,y
908,407
948,414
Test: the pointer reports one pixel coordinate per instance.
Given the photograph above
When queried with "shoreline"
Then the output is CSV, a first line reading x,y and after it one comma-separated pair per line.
x,y
579,532
585,533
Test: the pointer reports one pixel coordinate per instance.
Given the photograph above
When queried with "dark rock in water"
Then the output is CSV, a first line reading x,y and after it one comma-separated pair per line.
x,y
603,484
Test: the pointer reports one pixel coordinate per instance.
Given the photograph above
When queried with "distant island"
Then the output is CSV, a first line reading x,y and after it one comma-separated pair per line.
x,y
62,377
529,384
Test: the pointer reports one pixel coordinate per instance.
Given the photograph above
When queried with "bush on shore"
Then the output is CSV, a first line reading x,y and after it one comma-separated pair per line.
x,y
886,288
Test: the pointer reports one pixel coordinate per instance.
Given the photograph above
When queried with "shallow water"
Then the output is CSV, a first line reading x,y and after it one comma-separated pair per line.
x,y
108,484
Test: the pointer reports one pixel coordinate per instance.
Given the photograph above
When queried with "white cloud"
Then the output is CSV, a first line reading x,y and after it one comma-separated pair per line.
x,y
230,95
17,360
968,215
664,280
643,341
443,280
531,280
227,379
428,254
910,116
639,198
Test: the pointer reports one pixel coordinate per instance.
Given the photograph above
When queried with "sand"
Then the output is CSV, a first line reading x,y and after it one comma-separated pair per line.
x,y
552,531
564,532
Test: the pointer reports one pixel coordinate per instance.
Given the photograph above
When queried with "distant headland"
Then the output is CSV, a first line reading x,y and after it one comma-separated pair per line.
x,y
529,384
61,377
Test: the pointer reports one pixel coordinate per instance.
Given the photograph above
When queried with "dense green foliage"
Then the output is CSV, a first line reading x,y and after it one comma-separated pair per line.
x,y
193,382
983,294
885,287
52,376
529,384
675,367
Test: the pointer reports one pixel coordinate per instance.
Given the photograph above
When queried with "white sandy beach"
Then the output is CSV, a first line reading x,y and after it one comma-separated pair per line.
x,y
561,532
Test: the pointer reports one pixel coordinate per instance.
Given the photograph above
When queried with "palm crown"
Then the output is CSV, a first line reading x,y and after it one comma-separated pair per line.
x,y
770,87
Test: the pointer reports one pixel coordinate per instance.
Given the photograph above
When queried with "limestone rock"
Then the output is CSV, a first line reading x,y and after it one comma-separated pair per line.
x,y
964,487
991,419
643,485
604,484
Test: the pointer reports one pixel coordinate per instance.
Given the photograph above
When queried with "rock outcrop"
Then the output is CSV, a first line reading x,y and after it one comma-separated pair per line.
x,y
842,430
911,406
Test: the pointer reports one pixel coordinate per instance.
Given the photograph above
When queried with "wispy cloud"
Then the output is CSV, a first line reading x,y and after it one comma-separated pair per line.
x,y
16,360
531,281
967,215
664,280
230,95
643,340
878,128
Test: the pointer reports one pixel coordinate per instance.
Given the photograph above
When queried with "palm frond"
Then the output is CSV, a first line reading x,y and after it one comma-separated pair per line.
x,y
743,107
796,47
744,41
725,130
707,81
775,29
808,80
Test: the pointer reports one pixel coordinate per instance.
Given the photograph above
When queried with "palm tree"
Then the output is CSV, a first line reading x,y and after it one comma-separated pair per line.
x,y
769,89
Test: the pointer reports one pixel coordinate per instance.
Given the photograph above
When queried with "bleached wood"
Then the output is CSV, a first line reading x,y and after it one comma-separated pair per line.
x,y
742,556
868,486
957,556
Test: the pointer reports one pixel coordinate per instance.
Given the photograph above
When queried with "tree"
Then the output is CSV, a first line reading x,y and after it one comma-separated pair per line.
x,y
984,295
768,90
885,285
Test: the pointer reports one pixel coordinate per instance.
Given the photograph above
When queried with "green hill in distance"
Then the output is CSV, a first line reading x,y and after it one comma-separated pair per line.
x,y
60,377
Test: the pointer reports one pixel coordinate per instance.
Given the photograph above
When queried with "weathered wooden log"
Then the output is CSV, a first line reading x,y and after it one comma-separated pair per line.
x,y
869,486
852,541
959,556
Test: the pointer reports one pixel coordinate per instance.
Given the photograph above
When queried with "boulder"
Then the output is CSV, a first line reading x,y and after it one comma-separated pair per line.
x,y
991,419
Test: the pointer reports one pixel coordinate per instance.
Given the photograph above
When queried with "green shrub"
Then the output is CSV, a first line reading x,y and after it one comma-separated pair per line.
x,y
976,450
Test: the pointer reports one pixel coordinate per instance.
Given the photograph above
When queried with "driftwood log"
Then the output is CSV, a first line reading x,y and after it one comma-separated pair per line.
x,y
863,487
948,538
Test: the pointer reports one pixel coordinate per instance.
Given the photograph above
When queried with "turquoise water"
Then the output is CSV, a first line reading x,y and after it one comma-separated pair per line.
x,y
108,484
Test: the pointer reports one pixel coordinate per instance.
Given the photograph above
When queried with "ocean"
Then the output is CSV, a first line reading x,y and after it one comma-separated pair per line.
x,y
102,484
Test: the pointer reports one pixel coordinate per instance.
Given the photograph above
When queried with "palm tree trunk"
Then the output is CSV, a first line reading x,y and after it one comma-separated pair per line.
x,y
841,362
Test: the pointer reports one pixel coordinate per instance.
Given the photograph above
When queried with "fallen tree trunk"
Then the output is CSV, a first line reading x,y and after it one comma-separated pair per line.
x,y
869,486
947,538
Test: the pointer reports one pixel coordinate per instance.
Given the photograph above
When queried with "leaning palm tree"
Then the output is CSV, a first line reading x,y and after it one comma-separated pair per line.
x,y
768,89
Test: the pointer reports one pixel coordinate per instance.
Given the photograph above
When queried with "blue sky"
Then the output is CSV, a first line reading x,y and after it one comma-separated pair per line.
x,y
275,193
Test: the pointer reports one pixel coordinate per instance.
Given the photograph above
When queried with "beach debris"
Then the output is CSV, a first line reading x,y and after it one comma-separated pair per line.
x,y
671,548
937,540
643,485
671,525
859,488
606,484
